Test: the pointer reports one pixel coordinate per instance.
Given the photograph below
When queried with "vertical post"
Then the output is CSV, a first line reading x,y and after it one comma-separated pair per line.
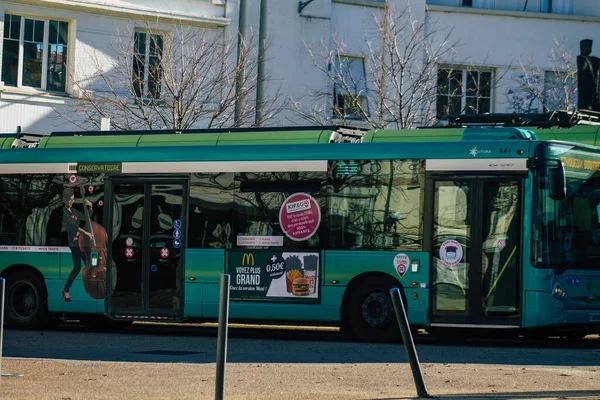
x,y
222,337
262,59
241,60
409,344
2,298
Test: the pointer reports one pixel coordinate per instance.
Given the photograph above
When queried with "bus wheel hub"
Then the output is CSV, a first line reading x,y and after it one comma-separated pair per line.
x,y
376,309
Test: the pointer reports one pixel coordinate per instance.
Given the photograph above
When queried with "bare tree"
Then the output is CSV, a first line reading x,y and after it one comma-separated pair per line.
x,y
175,78
536,90
398,85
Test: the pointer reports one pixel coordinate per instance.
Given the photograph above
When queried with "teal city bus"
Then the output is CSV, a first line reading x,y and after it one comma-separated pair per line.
x,y
483,229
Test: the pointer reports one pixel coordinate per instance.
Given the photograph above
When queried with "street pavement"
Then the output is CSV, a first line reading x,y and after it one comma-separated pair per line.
x,y
56,365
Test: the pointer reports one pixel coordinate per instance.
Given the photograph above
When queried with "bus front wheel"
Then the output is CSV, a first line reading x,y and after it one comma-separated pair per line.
x,y
26,301
371,311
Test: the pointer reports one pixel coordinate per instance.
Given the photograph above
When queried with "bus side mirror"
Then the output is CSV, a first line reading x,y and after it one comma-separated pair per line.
x,y
557,182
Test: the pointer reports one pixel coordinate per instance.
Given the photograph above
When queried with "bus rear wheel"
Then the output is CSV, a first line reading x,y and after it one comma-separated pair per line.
x,y
371,312
26,301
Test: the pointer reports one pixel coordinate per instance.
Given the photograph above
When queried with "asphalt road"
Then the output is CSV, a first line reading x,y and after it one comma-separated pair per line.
x,y
167,362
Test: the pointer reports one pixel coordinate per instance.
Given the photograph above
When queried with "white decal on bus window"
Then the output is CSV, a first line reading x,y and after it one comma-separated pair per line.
x,y
451,252
259,240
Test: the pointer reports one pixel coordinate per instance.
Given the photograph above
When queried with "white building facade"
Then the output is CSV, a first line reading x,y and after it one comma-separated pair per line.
x,y
503,55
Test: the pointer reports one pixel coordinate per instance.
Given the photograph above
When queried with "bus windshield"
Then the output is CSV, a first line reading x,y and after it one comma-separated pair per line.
x,y
567,231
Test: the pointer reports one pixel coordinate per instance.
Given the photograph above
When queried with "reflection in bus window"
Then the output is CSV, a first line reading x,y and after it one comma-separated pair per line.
x,y
451,227
500,250
210,210
377,205
259,198
30,208
568,231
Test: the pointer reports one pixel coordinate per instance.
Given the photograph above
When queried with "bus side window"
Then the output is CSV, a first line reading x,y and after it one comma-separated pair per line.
x,y
55,236
8,229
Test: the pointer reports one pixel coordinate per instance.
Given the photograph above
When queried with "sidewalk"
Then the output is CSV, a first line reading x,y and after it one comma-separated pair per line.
x,y
90,380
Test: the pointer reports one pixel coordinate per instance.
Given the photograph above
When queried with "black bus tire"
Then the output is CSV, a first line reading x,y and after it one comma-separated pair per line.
x,y
371,314
26,301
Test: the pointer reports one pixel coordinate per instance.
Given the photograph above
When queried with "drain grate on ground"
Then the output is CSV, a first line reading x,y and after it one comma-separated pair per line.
x,y
169,352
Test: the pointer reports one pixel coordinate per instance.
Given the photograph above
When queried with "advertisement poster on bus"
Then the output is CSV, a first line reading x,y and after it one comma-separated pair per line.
x,y
300,216
274,275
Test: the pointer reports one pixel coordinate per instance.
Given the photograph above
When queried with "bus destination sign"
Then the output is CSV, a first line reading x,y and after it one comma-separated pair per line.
x,y
343,169
102,168
274,275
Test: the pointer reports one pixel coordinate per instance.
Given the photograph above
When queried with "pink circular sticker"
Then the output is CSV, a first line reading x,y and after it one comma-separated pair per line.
x,y
300,216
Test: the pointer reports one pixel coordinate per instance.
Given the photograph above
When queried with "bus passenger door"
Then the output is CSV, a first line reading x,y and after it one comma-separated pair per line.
x,y
147,241
476,239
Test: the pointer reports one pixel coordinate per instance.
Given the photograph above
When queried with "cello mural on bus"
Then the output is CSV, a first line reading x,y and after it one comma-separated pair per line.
x,y
87,241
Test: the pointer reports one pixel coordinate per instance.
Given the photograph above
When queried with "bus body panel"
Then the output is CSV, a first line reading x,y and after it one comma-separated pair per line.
x,y
50,265
585,134
47,263
205,267
341,271
344,266
81,302
540,310
582,288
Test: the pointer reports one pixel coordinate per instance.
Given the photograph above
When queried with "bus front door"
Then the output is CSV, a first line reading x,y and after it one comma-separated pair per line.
x,y
147,239
475,251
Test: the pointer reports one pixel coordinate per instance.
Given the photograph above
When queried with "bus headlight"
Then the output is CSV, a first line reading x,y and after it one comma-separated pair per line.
x,y
558,292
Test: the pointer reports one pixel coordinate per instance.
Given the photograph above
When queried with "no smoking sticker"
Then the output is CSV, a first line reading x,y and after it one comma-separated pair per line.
x,y
164,252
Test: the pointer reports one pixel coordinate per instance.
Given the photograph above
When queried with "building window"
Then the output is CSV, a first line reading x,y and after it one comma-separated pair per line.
x,y
34,53
147,69
349,88
463,91
557,6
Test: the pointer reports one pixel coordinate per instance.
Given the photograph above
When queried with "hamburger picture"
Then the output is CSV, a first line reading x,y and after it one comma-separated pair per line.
x,y
300,287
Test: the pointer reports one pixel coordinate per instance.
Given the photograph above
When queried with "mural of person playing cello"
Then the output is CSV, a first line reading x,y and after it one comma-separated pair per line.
x,y
74,223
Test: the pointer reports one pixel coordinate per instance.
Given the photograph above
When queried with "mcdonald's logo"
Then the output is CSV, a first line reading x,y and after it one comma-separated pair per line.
x,y
248,259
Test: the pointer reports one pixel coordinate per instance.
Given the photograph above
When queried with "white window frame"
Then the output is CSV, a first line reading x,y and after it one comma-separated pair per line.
x,y
359,90
148,34
45,55
557,6
464,74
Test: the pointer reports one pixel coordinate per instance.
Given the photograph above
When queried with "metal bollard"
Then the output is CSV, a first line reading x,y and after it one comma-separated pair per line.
x,y
409,344
222,337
